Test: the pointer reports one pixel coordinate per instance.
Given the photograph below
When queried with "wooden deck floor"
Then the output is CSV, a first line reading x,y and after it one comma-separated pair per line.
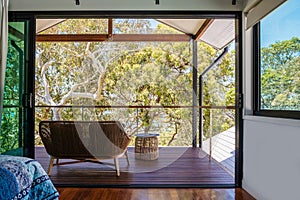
x,y
175,167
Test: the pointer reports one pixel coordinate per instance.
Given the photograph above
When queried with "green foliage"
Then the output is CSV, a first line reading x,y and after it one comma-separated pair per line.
x,y
131,26
9,133
123,74
152,76
280,72
218,90
79,26
141,74
129,74
9,130
11,86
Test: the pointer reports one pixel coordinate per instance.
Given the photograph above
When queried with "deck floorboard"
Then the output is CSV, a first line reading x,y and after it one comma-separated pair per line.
x,y
174,167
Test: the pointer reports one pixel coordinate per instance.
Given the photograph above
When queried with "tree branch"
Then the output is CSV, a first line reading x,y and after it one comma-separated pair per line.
x,y
174,134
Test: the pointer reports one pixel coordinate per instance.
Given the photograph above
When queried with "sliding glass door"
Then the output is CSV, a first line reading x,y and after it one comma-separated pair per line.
x,y
16,136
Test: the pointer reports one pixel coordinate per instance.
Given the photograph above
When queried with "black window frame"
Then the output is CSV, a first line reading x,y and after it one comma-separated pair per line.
x,y
290,114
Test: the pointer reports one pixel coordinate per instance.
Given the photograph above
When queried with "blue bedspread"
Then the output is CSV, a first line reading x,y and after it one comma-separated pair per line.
x,y
24,178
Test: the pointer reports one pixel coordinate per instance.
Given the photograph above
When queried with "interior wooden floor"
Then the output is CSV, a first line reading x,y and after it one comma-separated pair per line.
x,y
153,194
175,167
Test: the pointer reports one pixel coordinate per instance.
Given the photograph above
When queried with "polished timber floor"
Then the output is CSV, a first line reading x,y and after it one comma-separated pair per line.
x,y
153,194
175,167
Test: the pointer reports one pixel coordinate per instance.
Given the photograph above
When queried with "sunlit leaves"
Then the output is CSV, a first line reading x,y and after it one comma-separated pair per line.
x,y
280,72
131,74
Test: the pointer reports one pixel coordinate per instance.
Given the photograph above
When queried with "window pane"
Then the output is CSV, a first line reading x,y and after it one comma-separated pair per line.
x,y
11,131
142,26
280,59
10,139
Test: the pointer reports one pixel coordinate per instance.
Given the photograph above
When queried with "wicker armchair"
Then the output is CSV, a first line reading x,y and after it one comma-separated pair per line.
x,y
84,141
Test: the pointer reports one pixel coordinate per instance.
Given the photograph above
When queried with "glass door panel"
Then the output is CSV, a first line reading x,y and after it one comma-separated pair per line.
x,y
16,99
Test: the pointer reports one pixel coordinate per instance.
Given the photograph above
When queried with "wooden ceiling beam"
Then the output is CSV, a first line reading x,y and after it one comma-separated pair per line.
x,y
71,37
113,38
202,29
151,37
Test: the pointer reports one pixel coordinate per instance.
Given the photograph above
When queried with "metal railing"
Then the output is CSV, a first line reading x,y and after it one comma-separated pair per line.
x,y
135,121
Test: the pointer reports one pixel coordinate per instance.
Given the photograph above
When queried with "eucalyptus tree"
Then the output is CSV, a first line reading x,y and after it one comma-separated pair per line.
x,y
156,75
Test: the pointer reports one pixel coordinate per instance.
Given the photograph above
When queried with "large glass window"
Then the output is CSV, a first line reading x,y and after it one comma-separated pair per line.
x,y
277,74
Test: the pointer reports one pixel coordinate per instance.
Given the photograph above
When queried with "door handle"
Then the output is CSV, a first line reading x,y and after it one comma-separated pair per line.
x,y
30,100
27,100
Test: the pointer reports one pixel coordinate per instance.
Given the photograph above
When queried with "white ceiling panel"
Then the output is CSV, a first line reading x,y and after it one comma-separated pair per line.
x,y
220,33
43,24
188,26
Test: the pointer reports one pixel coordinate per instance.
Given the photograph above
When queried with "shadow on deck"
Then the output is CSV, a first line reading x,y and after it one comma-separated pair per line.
x,y
175,167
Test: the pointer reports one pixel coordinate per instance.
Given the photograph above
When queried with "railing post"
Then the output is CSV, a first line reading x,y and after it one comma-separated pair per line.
x,y
195,94
137,119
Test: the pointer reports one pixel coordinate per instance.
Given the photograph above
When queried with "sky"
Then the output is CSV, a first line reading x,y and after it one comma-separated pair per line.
x,y
281,24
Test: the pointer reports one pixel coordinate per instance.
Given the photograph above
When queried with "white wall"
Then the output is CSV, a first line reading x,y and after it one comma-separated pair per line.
x,y
39,5
271,167
272,158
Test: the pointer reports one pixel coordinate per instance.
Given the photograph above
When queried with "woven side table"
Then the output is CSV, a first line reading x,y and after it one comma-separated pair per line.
x,y
146,146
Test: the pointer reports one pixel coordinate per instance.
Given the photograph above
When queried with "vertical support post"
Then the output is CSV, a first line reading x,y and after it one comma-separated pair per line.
x,y
110,27
210,132
29,73
195,93
200,110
